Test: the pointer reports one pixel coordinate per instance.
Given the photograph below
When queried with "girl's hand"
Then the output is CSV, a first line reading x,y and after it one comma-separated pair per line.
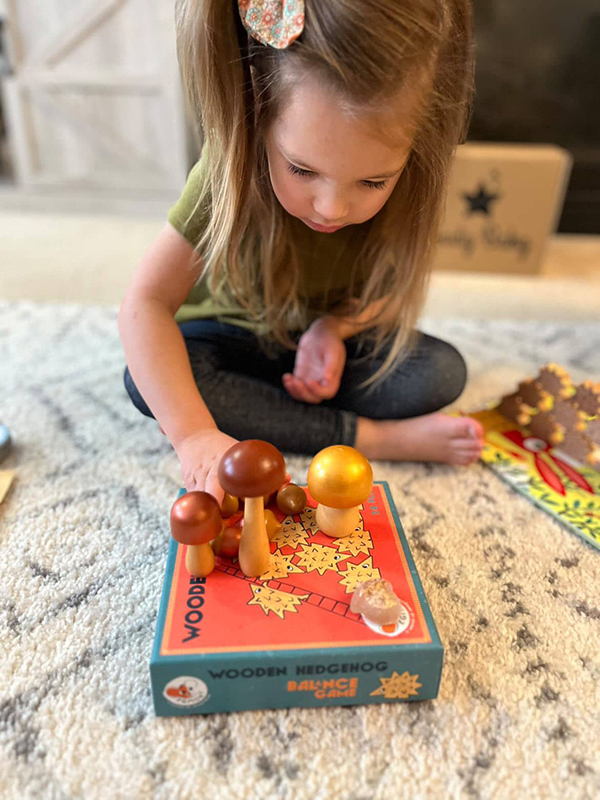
x,y
199,456
320,362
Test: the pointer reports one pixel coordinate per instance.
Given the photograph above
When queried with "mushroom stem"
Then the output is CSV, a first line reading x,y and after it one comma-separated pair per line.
x,y
199,560
338,522
255,554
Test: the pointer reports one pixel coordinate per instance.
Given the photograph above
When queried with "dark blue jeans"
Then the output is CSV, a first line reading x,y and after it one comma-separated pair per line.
x,y
241,385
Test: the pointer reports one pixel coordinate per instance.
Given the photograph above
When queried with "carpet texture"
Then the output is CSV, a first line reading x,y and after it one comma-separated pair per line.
x,y
84,537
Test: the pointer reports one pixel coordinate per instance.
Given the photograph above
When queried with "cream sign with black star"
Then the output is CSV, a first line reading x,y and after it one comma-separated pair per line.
x,y
479,202
503,201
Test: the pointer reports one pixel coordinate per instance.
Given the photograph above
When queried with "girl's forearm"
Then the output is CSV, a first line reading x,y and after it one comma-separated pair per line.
x,y
160,367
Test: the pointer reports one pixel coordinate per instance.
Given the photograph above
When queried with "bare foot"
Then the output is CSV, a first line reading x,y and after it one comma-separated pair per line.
x,y
432,437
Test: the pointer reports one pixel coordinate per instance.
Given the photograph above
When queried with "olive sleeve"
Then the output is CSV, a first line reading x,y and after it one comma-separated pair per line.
x,y
185,216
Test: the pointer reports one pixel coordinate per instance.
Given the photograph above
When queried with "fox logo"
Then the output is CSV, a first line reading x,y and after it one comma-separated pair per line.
x,y
179,691
186,690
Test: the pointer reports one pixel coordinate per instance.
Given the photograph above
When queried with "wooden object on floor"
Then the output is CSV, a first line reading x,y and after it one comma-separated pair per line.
x,y
94,98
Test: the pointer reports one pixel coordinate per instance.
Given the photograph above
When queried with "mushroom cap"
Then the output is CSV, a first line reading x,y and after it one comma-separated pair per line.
x,y
195,518
291,499
340,477
251,468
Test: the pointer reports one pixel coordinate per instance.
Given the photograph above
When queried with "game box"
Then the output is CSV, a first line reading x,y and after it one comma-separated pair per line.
x,y
232,643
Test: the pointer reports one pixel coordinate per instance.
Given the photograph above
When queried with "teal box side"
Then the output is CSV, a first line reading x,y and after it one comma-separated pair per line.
x,y
246,681
204,683
435,637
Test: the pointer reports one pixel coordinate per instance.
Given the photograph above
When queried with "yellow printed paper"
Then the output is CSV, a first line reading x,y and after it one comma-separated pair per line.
x,y
562,487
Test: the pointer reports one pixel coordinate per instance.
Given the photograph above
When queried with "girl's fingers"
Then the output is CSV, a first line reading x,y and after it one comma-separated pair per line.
x,y
319,388
290,386
298,390
306,395
324,390
326,375
214,487
309,394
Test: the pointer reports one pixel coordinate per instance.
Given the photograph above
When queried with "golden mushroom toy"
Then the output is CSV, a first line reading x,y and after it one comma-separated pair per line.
x,y
340,479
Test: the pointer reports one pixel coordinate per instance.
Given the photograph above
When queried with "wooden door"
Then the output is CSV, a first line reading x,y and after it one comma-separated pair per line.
x,y
94,100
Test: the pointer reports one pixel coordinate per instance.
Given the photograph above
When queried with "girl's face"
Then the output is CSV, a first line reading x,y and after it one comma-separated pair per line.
x,y
328,168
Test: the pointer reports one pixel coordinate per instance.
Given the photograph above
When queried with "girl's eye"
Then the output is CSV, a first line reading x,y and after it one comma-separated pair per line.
x,y
297,171
305,173
375,184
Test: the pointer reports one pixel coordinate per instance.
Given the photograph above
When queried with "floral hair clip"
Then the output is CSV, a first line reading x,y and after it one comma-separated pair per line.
x,y
276,23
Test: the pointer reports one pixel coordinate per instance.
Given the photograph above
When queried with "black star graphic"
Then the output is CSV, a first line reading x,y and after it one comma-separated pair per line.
x,y
480,201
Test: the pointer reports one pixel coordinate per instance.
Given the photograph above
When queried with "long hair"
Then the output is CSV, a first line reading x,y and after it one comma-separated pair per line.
x,y
368,52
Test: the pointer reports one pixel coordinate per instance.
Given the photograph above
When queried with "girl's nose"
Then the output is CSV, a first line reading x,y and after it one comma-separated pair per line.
x,y
331,207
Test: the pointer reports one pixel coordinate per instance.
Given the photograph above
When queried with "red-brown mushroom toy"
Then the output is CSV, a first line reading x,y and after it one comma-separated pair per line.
x,y
195,521
252,469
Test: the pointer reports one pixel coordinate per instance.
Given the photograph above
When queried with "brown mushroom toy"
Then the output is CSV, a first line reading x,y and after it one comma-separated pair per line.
x,y
195,521
291,499
229,506
251,469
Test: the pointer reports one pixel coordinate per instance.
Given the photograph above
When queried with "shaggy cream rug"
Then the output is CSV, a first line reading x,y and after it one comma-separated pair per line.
x,y
84,537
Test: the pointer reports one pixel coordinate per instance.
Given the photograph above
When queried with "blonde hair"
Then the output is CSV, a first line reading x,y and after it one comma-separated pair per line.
x,y
367,51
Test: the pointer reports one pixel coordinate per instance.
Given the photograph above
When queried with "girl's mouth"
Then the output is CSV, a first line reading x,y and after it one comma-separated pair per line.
x,y
323,228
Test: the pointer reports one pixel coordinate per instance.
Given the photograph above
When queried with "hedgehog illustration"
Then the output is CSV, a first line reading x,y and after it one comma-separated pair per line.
x,y
534,395
593,430
546,427
555,380
587,397
512,407
565,412
578,446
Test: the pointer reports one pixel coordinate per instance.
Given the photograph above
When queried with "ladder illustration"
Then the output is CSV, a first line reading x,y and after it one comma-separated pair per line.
x,y
337,607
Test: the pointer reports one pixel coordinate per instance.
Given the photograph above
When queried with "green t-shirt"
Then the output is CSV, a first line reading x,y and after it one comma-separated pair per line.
x,y
325,260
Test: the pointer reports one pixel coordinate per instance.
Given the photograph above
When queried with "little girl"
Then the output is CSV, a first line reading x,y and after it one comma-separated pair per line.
x,y
279,301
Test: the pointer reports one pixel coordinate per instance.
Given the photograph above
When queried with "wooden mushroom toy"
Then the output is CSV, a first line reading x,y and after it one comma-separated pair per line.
x,y
195,521
272,524
291,499
229,506
252,469
228,542
340,479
